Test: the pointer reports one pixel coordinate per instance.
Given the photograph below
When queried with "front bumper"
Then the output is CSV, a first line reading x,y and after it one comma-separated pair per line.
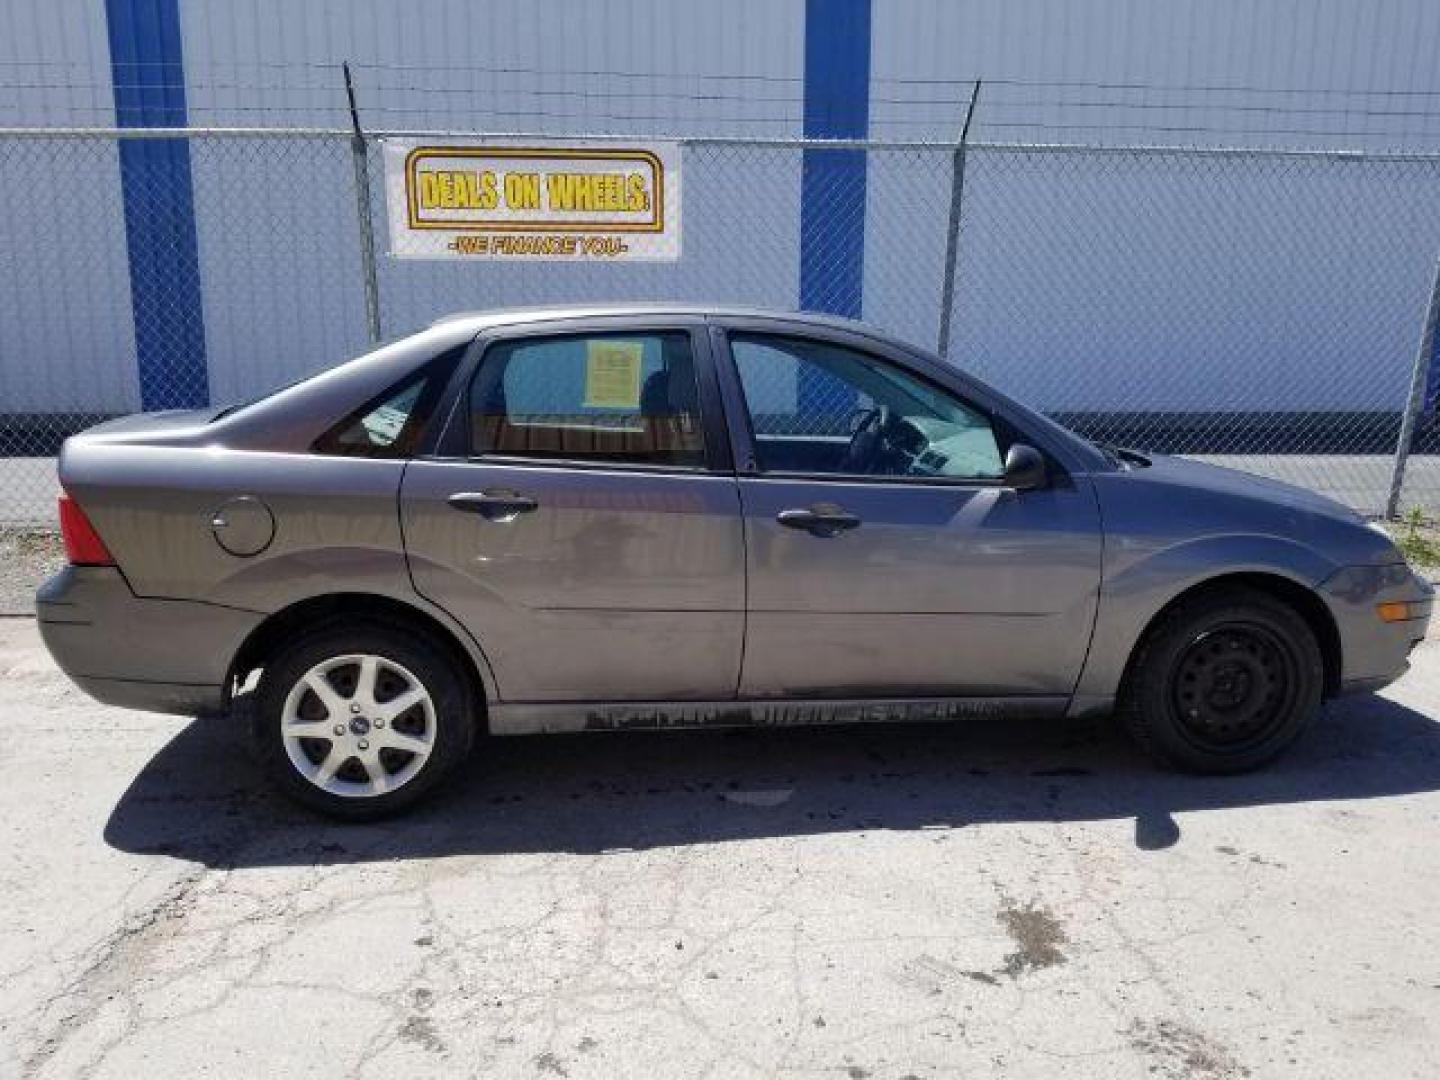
x,y
1373,652
167,656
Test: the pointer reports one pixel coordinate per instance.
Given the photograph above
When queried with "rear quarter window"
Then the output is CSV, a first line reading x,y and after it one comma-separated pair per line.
x,y
393,423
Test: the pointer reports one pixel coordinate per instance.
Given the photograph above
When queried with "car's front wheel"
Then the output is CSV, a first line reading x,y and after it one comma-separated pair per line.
x,y
361,721
1224,682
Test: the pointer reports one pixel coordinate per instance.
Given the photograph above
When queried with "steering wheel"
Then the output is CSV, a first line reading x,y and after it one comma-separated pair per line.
x,y
867,444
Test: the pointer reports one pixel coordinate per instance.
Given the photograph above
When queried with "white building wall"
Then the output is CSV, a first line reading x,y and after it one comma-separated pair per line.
x,y
1271,284
66,336
451,64
1246,72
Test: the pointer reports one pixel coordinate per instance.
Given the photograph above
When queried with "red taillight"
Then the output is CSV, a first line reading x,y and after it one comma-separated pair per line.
x,y
83,546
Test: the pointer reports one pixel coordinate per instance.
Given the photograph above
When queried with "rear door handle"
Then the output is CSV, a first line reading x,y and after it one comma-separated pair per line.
x,y
822,519
495,505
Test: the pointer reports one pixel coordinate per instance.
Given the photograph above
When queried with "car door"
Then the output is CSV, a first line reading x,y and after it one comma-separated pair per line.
x,y
899,570
583,522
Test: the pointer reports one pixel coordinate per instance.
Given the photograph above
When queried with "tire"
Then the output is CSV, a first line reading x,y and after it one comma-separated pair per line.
x,y
360,721
1223,682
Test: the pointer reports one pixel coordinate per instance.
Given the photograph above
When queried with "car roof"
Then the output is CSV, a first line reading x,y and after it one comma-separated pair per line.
x,y
481,320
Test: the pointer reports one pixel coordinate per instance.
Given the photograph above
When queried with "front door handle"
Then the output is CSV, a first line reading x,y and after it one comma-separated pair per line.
x,y
494,505
822,519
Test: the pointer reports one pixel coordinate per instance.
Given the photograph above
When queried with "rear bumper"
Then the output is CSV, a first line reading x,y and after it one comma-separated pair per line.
x,y
1375,653
158,655
183,699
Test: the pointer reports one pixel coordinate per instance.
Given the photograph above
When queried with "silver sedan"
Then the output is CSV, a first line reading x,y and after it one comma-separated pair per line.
x,y
639,517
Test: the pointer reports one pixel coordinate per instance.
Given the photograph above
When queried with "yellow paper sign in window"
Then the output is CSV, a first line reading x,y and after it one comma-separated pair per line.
x,y
612,374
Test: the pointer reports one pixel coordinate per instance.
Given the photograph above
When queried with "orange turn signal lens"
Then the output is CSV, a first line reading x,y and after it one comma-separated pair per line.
x,y
1393,611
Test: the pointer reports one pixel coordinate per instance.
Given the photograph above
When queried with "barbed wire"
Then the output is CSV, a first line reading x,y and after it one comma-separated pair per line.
x,y
1389,116
960,81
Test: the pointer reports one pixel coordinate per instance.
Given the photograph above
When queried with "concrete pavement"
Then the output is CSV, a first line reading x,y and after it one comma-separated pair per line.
x,y
1015,900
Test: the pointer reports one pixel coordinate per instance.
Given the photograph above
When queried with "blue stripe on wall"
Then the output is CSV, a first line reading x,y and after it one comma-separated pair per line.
x,y
1432,377
1432,380
837,106
148,74
832,188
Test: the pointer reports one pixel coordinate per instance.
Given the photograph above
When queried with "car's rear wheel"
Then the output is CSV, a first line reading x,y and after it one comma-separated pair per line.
x,y
1224,682
361,721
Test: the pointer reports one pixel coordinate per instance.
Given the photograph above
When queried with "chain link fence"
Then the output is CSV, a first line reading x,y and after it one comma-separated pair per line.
x,y
1263,309
1260,309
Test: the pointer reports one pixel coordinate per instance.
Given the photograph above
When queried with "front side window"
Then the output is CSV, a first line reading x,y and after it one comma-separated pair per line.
x,y
822,408
621,398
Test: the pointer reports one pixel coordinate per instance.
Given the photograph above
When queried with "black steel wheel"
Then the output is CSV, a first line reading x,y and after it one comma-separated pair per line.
x,y
1224,682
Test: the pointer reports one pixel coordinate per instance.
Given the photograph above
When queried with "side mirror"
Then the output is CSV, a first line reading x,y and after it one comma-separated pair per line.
x,y
1024,468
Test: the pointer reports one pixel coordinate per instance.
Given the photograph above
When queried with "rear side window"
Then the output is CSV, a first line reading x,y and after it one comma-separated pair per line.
x,y
624,398
391,425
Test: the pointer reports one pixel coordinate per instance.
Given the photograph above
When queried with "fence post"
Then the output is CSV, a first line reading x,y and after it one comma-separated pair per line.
x,y
952,234
1416,401
362,206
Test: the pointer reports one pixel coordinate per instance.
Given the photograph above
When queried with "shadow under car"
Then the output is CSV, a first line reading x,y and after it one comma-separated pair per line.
x,y
199,799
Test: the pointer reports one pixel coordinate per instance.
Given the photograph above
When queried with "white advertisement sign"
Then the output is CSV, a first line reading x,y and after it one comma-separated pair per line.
x,y
533,200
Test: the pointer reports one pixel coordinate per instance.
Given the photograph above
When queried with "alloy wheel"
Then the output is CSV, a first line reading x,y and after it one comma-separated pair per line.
x,y
358,725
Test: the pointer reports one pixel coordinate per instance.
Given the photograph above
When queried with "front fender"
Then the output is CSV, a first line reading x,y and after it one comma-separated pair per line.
x,y
1138,583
